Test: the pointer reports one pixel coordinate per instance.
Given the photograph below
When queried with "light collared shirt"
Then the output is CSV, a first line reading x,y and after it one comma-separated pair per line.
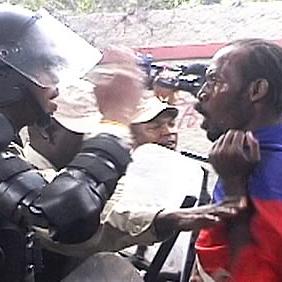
x,y
118,230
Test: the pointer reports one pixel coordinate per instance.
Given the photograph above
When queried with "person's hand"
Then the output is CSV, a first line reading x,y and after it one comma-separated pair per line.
x,y
118,85
209,215
233,157
188,219
235,154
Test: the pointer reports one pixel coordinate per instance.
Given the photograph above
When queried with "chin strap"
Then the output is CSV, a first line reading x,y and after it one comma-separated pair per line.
x,y
44,121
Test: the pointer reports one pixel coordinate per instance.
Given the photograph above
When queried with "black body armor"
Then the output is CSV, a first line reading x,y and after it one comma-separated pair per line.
x,y
69,207
33,55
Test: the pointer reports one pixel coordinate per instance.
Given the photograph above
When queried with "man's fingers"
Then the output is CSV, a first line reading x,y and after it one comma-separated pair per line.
x,y
225,211
211,217
219,142
228,143
116,54
229,203
228,138
197,221
215,148
254,148
229,207
238,140
219,210
235,202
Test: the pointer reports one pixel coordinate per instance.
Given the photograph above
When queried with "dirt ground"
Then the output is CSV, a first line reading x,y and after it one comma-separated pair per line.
x,y
186,25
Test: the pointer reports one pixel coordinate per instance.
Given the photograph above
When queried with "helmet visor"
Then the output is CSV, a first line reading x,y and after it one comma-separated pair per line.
x,y
45,51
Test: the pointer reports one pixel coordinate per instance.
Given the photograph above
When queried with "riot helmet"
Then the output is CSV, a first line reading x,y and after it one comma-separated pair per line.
x,y
39,49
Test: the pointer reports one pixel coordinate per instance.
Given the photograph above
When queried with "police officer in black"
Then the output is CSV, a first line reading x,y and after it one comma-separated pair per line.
x,y
35,59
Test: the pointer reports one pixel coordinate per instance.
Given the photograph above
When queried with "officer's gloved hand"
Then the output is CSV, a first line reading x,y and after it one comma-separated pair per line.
x,y
119,85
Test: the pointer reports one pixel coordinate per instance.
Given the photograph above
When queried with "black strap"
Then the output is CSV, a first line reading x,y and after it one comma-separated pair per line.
x,y
165,248
100,169
195,156
112,146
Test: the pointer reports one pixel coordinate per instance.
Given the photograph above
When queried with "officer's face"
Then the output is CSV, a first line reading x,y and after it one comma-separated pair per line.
x,y
36,101
45,98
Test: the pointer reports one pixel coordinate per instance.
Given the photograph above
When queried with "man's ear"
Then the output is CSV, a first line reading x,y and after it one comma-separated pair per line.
x,y
258,89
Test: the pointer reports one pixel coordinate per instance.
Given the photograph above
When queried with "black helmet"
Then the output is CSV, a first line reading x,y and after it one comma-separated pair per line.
x,y
41,49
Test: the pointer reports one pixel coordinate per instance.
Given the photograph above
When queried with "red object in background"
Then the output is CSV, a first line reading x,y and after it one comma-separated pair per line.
x,y
186,52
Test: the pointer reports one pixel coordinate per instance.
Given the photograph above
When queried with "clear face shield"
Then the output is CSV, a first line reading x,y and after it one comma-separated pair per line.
x,y
43,49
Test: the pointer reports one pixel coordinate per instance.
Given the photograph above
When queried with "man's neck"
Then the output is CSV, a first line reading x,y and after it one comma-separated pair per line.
x,y
265,119
41,149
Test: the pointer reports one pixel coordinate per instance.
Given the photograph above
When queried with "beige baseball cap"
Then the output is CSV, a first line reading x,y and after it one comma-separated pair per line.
x,y
77,109
150,107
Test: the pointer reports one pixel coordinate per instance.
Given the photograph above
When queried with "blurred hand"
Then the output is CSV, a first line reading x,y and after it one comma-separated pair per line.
x,y
118,85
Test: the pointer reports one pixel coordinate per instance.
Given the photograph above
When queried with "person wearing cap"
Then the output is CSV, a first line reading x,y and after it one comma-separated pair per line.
x,y
154,122
165,88
168,87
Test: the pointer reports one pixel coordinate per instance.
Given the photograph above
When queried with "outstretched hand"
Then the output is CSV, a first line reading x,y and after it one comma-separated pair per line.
x,y
209,215
188,219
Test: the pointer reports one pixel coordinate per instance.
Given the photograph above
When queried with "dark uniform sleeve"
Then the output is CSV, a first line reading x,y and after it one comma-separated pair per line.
x,y
70,206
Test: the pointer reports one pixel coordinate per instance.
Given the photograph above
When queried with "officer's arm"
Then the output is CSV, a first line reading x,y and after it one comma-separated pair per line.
x,y
70,206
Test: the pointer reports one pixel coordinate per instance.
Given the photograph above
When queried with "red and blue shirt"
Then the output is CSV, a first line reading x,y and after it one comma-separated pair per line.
x,y
261,260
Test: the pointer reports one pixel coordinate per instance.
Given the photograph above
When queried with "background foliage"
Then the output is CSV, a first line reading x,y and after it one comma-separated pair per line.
x,y
89,6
